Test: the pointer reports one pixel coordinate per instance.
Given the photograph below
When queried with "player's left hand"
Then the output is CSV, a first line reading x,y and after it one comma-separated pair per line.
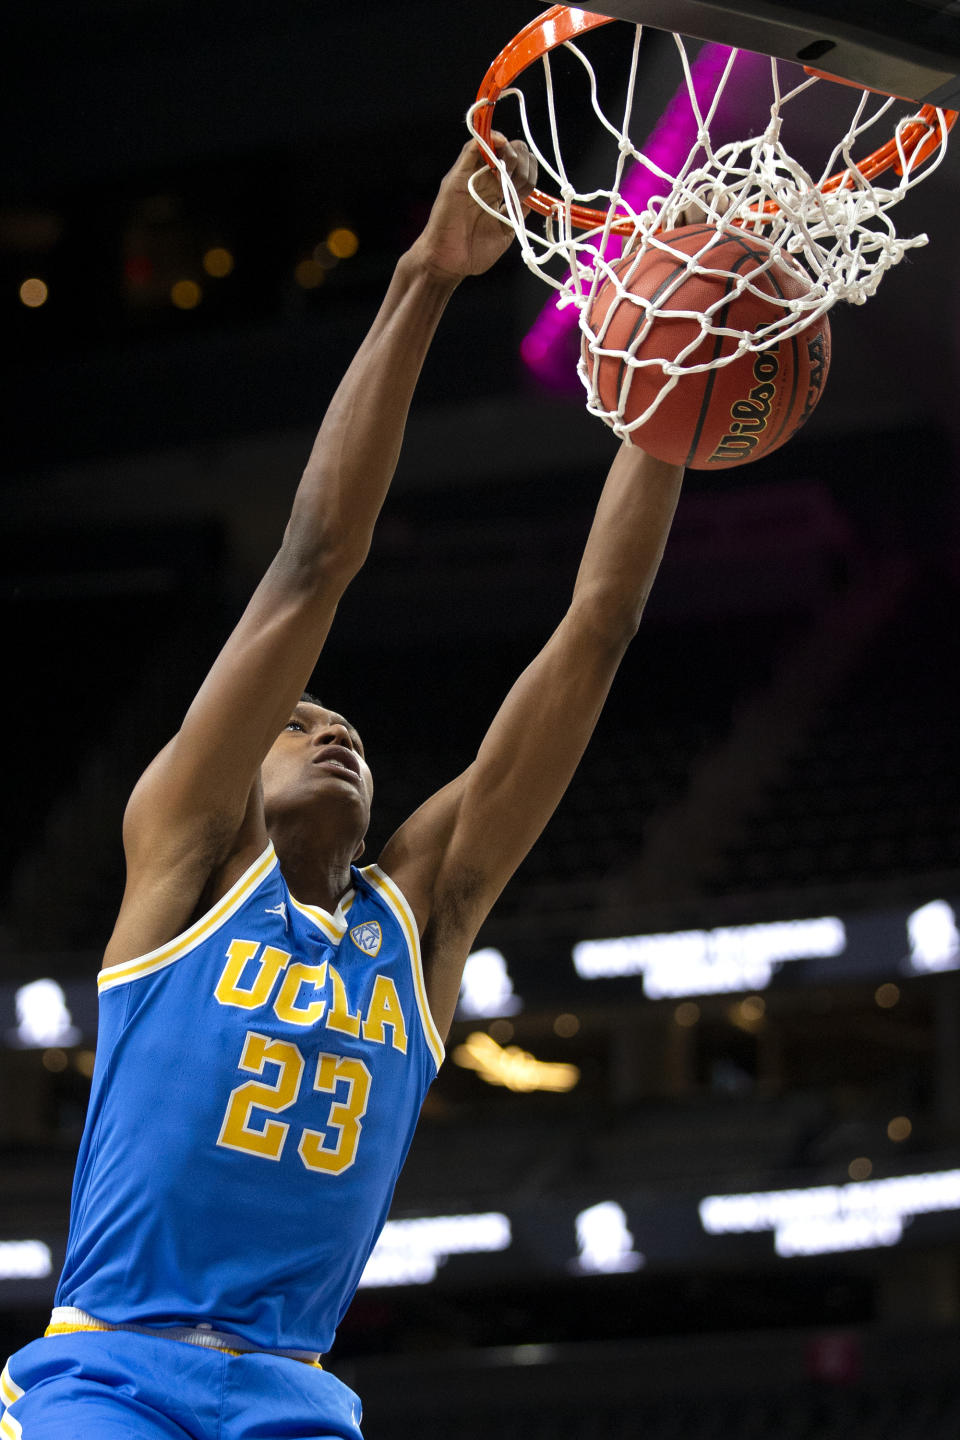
x,y
460,238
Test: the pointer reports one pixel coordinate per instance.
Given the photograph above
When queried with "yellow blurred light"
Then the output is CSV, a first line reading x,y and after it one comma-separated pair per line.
x,y
900,1128
501,1030
186,294
566,1025
308,274
84,1060
687,1013
860,1169
342,242
748,1013
218,262
887,995
513,1068
55,1059
33,292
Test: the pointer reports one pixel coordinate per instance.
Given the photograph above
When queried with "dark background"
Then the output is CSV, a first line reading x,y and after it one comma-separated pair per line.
x,y
779,744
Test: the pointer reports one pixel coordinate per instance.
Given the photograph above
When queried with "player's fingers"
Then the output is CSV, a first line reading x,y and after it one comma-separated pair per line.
x,y
525,175
519,164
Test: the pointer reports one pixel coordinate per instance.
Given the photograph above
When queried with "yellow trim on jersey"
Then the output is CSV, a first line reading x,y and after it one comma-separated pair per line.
x,y
10,1392
74,1329
333,926
202,930
397,901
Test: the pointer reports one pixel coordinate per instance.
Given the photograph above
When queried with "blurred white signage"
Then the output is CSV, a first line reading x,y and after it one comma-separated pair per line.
x,y
709,962
43,1018
825,1219
24,1260
409,1252
486,991
933,937
604,1242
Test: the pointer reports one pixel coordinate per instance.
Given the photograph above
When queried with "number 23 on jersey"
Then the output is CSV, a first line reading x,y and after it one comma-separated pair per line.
x,y
344,1077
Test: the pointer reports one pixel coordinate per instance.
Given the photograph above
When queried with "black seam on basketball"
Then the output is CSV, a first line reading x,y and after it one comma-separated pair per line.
x,y
718,342
794,339
625,365
750,252
707,230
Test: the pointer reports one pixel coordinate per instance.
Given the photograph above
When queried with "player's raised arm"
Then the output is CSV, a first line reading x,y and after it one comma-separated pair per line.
x,y
455,854
197,792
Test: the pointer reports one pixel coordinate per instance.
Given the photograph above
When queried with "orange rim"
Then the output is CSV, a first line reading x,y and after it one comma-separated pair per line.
x,y
920,136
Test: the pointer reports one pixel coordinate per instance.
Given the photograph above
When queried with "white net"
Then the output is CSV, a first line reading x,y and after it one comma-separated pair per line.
x,y
830,224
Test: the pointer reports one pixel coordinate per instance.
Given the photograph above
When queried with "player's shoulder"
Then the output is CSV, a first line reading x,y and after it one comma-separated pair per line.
x,y
173,906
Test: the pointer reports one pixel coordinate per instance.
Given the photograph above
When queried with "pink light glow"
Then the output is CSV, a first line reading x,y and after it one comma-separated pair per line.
x,y
548,348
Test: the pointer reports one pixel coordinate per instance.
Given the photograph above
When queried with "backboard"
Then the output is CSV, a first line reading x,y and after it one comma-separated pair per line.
x,y
905,47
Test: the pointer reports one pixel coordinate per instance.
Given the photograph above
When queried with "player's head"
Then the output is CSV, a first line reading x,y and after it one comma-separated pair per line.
x,y
316,766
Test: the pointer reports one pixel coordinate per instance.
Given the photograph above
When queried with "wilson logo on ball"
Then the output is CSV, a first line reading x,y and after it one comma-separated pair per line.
x,y
748,418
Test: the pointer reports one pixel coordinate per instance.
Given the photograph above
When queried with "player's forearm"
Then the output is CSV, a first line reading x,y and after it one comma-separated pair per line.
x,y
626,542
356,450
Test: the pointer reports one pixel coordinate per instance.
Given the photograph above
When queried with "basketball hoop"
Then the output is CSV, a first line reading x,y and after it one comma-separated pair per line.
x,y
835,230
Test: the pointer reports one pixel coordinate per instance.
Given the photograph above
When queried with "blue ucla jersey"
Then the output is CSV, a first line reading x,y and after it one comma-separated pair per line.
x,y
256,1089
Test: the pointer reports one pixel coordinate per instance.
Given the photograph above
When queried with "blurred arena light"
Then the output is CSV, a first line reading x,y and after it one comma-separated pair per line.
x,y
828,1219
218,262
34,292
934,941
323,256
604,1242
343,243
409,1252
309,274
748,1014
486,990
513,1068
25,1260
186,294
43,1018
710,962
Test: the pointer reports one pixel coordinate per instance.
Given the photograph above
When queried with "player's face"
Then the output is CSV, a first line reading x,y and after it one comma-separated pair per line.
x,y
318,756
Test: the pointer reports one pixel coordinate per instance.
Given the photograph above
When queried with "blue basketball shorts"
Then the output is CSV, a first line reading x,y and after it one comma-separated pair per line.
x,y
117,1385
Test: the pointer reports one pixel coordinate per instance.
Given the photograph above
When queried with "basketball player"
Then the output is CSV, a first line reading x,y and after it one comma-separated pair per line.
x,y
272,1015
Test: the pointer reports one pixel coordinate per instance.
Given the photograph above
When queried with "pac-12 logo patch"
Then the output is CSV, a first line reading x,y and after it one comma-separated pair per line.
x,y
368,937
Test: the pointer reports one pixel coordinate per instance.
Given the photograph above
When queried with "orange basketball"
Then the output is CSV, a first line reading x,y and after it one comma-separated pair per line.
x,y
716,418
